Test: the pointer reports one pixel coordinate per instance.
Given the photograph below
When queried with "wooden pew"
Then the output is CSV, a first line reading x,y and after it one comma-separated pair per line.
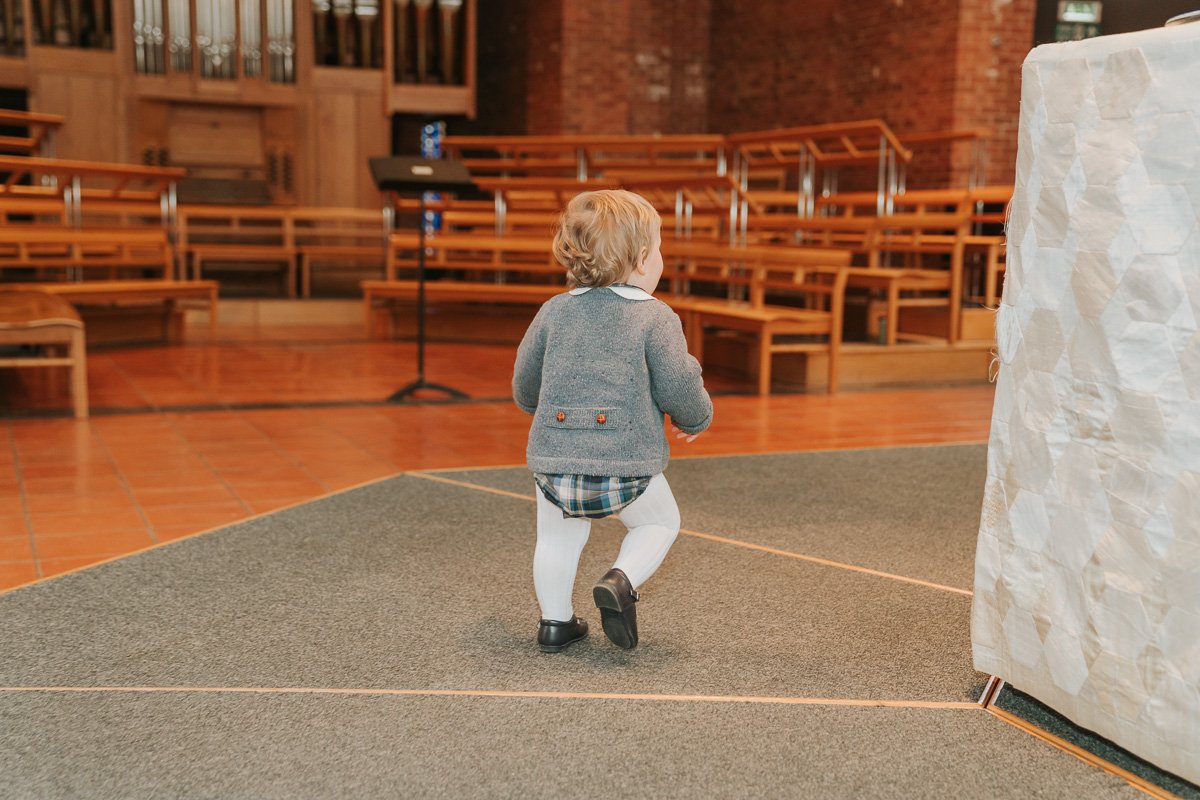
x,y
132,293
486,222
506,270
42,320
111,252
876,241
336,236
771,293
72,189
241,235
464,253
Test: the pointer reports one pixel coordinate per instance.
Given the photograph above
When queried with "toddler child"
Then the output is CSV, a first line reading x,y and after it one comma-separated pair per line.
x,y
597,369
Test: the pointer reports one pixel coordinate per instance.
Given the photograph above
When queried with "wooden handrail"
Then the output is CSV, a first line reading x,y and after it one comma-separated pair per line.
x,y
798,256
67,168
467,241
47,234
810,134
40,127
8,115
675,141
548,184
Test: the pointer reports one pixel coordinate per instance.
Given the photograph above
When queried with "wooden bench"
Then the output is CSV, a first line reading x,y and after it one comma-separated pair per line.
x,y
117,294
464,253
237,235
111,252
522,271
876,241
45,322
294,239
335,236
378,293
772,293
490,269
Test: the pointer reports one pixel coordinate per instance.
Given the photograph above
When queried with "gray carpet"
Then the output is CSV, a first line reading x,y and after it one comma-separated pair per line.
x,y
913,511
411,584
1046,718
221,746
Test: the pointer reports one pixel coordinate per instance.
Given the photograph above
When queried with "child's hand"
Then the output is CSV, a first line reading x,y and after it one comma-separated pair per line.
x,y
690,437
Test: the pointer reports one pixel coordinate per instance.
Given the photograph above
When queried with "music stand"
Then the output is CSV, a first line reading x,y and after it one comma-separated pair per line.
x,y
420,175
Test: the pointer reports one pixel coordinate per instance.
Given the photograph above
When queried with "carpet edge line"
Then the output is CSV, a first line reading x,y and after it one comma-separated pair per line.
x,y
205,531
499,693
825,562
1086,756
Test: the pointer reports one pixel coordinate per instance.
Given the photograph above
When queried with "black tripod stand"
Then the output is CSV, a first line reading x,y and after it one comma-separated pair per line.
x,y
420,175
405,392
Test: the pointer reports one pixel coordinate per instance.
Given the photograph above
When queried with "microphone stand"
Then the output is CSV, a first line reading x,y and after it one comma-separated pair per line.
x,y
406,392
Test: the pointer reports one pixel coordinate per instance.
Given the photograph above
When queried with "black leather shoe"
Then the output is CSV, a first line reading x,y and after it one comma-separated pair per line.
x,y
554,636
615,597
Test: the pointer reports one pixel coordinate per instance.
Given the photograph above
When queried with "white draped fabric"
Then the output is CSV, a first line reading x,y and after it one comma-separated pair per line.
x,y
1087,580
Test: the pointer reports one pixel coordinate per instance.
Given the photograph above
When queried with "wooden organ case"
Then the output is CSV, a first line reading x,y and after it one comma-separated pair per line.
x,y
277,101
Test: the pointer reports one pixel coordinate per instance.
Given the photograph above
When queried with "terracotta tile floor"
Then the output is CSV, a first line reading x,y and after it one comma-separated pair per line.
x,y
187,438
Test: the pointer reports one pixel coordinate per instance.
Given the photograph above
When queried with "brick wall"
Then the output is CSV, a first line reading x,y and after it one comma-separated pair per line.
x,y
680,66
669,73
566,66
994,38
919,65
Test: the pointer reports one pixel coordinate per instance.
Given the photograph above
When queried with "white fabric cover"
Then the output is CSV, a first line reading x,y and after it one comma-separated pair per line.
x,y
1087,575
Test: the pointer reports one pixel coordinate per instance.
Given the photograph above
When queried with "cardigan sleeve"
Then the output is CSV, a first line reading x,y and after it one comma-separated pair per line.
x,y
527,372
675,380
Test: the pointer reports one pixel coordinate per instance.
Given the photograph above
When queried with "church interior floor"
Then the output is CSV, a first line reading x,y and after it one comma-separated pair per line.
x,y
192,437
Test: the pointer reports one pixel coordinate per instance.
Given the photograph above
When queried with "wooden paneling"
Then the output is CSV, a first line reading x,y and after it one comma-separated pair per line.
x,y
285,169
347,127
151,121
215,136
314,136
94,109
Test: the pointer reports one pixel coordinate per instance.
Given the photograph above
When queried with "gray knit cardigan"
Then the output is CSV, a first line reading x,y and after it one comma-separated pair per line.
x,y
597,371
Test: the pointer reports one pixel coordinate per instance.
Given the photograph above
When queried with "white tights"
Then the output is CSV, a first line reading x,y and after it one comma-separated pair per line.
x,y
653,523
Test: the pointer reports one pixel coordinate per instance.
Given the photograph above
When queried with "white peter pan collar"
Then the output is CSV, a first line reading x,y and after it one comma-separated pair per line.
x,y
628,292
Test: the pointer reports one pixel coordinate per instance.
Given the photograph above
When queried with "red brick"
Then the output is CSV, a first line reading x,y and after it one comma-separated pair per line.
x,y
694,66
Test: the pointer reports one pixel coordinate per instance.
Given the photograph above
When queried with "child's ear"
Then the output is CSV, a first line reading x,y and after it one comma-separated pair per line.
x,y
640,267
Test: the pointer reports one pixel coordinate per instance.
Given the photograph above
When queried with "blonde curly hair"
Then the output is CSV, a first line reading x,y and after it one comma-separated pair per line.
x,y
603,235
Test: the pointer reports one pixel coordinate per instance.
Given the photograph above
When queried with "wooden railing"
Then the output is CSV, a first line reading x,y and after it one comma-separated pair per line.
x,y
40,139
583,157
293,240
67,188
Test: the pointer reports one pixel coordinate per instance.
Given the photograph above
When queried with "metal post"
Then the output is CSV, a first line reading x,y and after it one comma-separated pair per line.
x,y
501,212
801,177
76,202
881,178
679,213
892,181
389,216
733,197
744,201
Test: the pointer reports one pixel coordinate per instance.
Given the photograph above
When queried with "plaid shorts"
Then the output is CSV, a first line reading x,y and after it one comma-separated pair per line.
x,y
590,496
